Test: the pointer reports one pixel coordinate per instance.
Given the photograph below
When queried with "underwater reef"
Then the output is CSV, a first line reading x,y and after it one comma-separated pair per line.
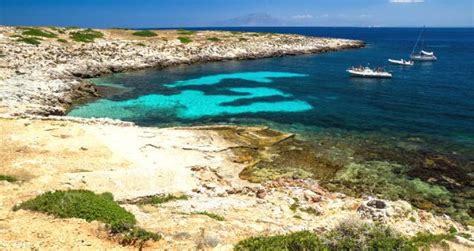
x,y
358,164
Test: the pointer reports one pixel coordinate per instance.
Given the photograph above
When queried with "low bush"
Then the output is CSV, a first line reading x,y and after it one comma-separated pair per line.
x,y
86,36
185,32
214,39
141,44
29,40
87,205
145,33
62,40
185,40
80,204
7,177
346,237
38,33
304,240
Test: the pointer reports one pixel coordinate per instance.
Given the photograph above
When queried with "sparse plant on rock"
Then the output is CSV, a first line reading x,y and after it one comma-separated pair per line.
x,y
86,36
38,33
8,178
211,215
185,40
348,236
145,33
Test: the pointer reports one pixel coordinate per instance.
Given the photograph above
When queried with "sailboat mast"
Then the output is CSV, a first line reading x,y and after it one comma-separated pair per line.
x,y
418,40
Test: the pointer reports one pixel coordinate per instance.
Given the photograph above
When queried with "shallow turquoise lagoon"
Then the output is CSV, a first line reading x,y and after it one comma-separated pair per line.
x,y
194,104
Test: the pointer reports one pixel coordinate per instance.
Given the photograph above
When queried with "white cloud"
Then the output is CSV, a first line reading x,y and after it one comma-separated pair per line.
x,y
407,1
300,17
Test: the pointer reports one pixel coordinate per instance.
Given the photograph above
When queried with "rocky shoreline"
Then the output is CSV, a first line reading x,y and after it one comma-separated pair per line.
x,y
225,173
45,79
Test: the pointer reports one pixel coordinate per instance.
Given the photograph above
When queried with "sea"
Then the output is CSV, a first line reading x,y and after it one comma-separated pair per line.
x,y
412,136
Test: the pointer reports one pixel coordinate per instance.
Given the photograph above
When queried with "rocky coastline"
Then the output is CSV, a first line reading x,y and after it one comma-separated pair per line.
x,y
46,78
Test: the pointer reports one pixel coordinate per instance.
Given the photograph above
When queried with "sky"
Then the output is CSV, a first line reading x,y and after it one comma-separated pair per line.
x,y
202,13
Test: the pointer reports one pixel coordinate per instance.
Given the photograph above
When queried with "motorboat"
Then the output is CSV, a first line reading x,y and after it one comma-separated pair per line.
x,y
367,72
401,62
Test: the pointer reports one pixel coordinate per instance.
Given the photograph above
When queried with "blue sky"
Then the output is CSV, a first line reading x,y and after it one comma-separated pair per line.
x,y
187,13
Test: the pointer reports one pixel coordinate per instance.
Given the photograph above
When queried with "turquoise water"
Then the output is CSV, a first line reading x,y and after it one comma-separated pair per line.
x,y
413,135
193,104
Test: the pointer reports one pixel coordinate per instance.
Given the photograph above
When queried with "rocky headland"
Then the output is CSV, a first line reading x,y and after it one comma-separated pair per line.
x,y
196,187
46,76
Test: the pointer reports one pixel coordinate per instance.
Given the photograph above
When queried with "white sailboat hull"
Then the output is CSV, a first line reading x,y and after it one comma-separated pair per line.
x,y
369,74
401,62
421,57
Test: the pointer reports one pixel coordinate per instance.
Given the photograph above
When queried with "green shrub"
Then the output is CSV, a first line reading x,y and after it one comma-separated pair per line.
x,y
214,39
345,237
243,39
81,204
8,177
211,215
141,44
29,40
86,36
185,40
62,40
185,32
130,235
160,199
87,205
145,33
38,33
304,240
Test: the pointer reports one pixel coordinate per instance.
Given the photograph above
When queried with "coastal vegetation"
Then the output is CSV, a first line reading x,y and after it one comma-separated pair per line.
x,y
89,206
160,199
86,36
8,178
210,215
213,39
29,40
185,40
38,33
61,40
185,32
145,33
347,236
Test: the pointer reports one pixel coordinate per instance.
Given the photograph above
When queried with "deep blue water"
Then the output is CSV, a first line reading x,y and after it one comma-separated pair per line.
x,y
313,92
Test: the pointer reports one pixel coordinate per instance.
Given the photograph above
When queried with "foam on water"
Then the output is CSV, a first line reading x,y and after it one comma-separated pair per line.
x,y
261,77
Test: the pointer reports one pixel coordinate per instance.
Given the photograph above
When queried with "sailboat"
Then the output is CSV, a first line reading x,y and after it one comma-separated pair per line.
x,y
422,55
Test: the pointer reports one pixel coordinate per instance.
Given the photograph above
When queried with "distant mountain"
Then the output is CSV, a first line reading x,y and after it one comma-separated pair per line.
x,y
254,19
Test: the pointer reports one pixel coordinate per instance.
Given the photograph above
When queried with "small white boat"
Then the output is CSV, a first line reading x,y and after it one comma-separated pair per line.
x,y
401,62
422,55
366,72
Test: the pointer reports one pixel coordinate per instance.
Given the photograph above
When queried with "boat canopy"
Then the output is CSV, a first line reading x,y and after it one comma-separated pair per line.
x,y
427,53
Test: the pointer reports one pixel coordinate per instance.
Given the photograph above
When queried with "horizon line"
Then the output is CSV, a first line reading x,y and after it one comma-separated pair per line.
x,y
245,26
